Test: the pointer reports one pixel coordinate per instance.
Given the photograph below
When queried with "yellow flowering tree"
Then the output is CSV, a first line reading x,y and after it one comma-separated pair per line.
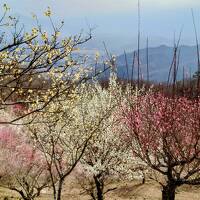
x,y
36,67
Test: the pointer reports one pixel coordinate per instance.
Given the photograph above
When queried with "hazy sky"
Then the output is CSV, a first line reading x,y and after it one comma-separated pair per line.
x,y
116,20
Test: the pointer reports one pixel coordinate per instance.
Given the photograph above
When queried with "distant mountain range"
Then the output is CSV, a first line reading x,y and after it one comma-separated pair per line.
x,y
160,59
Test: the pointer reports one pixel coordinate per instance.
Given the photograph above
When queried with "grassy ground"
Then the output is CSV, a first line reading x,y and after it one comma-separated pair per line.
x,y
124,191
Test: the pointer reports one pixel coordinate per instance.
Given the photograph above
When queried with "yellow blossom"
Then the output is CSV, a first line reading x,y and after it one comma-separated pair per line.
x,y
48,13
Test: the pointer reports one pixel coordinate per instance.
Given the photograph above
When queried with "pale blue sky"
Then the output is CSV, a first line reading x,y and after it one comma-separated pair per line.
x,y
116,20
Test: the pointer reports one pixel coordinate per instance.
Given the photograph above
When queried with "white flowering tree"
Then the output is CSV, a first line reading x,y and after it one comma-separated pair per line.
x,y
65,129
107,156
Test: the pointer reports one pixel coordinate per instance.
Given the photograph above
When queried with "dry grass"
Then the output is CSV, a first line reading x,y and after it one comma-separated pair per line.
x,y
125,191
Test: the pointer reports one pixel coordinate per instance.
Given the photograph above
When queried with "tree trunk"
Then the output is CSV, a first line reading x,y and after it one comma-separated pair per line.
x,y
23,196
99,188
168,192
60,184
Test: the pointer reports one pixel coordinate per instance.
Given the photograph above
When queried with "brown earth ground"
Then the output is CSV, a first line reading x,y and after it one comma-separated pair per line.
x,y
125,191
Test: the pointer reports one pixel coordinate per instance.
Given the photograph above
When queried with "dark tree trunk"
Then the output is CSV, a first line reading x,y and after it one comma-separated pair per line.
x,y
60,184
23,196
143,180
168,192
99,188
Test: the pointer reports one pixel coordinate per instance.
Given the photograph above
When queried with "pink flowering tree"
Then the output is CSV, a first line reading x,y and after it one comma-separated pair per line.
x,y
22,167
165,134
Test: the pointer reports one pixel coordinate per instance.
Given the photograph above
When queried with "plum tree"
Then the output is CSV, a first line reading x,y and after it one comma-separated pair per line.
x,y
23,169
37,67
164,132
